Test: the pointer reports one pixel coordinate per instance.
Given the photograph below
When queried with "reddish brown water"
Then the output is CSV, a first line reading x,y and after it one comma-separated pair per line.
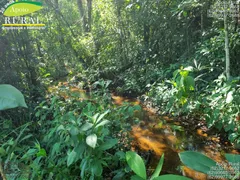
x,y
158,135
155,135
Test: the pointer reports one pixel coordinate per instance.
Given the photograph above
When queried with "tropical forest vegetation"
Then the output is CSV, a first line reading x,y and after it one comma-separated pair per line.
x,y
119,89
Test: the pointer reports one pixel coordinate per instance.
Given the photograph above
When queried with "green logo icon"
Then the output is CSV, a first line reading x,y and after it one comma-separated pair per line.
x,y
22,8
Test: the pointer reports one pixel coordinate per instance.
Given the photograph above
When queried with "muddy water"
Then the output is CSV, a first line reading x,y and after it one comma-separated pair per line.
x,y
155,135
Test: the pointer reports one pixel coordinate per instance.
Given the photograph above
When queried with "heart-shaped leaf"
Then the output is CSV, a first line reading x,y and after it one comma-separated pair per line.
x,y
10,97
91,140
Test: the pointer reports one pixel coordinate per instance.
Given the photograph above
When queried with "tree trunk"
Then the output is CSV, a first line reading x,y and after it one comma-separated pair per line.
x,y
226,43
56,4
82,15
89,4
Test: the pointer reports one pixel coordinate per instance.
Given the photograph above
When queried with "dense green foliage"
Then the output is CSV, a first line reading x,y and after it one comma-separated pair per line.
x,y
72,135
171,53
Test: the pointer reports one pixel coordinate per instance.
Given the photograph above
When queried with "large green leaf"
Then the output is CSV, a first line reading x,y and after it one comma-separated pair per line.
x,y
158,169
2,152
136,163
71,157
74,131
171,177
135,177
91,140
96,168
184,73
10,97
55,149
102,123
42,153
108,144
86,127
197,161
101,116
233,158
229,98
189,83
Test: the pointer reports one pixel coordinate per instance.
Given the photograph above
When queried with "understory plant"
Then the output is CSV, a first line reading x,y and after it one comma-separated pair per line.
x,y
82,138
11,139
136,163
217,103
221,107
175,95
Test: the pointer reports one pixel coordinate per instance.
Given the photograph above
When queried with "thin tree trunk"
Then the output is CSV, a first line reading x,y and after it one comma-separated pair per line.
x,y
82,15
122,33
226,43
202,23
56,4
89,4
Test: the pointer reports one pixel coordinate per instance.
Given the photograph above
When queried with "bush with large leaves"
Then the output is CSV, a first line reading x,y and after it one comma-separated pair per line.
x,y
81,138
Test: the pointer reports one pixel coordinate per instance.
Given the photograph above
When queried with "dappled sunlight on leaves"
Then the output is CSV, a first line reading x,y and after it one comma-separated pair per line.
x,y
201,133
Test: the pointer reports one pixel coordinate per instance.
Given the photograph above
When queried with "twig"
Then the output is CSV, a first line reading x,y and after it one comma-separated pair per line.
x,y
1,172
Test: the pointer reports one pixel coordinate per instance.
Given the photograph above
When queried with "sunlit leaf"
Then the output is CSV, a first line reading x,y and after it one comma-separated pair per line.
x,y
101,116
158,168
10,97
86,127
189,82
189,68
185,13
102,123
229,97
42,153
136,163
91,140
184,73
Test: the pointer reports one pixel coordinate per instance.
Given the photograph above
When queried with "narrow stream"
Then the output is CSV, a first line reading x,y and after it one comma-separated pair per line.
x,y
155,135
